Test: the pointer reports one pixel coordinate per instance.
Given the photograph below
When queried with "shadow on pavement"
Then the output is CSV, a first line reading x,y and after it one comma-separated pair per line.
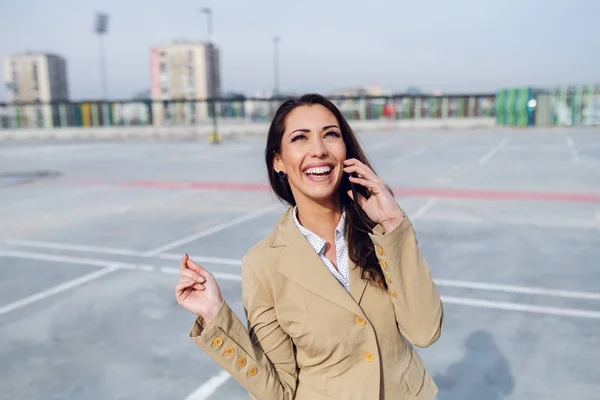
x,y
482,374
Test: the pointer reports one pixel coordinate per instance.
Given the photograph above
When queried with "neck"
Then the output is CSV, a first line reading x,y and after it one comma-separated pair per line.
x,y
320,218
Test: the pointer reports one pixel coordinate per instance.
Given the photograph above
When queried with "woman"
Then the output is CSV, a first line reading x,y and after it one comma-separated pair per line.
x,y
337,295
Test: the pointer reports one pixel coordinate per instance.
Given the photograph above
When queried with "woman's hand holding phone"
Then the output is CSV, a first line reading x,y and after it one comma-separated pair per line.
x,y
381,206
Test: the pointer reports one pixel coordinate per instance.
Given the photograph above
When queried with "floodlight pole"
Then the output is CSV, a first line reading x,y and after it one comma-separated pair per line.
x,y
210,56
208,12
101,29
103,69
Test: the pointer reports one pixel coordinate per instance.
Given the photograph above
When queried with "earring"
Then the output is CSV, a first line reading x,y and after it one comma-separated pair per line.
x,y
281,174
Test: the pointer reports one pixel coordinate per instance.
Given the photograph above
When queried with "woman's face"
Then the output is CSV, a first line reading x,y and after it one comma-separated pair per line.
x,y
312,153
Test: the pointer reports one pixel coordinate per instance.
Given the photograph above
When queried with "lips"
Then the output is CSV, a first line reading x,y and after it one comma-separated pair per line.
x,y
318,172
320,168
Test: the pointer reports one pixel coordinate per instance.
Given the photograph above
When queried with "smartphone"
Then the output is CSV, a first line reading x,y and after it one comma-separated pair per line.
x,y
353,186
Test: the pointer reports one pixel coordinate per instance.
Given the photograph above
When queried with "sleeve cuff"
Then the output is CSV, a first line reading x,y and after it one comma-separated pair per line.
x,y
201,326
379,233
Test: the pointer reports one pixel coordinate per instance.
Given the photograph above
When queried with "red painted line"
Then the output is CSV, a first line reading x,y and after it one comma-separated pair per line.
x,y
498,195
477,194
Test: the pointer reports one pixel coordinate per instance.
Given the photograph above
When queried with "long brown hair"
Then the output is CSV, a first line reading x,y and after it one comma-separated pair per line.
x,y
358,225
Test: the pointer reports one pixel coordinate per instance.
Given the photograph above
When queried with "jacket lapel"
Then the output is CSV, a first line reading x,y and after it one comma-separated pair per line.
x,y
300,263
357,284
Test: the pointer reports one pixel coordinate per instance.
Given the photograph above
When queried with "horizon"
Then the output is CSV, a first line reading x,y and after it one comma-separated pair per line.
x,y
320,48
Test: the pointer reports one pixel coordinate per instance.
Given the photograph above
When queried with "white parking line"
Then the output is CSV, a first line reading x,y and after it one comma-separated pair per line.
x,y
218,275
56,290
236,262
72,247
236,277
95,262
209,387
518,289
115,251
493,151
572,148
423,209
210,231
567,312
201,259
111,266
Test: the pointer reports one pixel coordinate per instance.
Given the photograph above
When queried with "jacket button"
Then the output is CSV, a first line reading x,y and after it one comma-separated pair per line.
x,y
358,320
379,250
369,356
229,351
388,279
241,361
252,371
392,293
383,264
217,342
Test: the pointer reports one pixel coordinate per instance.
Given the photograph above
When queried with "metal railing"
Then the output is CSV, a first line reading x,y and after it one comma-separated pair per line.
x,y
195,112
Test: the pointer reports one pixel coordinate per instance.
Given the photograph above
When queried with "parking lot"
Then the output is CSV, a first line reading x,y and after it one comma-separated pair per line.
x,y
91,234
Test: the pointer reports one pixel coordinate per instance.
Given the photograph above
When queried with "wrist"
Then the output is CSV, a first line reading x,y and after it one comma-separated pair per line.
x,y
392,223
211,313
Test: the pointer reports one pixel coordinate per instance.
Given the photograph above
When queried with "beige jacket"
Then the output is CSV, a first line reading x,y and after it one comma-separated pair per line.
x,y
311,339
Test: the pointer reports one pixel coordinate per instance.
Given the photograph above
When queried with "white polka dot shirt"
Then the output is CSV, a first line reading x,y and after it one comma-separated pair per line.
x,y
341,249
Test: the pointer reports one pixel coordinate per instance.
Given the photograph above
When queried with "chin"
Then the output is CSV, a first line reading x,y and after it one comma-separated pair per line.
x,y
321,194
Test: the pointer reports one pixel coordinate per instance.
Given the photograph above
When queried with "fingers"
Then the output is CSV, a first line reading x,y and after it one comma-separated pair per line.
x,y
183,262
195,267
374,187
192,276
186,285
354,165
186,263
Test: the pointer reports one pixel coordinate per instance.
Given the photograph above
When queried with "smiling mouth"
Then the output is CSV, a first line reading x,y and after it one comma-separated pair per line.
x,y
320,173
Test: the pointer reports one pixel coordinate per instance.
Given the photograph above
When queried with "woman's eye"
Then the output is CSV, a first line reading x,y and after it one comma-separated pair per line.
x,y
297,137
332,133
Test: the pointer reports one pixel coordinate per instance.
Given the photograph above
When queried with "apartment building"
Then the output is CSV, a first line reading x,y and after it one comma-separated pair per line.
x,y
35,79
182,75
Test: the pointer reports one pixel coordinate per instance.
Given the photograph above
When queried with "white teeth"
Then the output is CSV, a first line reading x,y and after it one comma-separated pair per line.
x,y
318,170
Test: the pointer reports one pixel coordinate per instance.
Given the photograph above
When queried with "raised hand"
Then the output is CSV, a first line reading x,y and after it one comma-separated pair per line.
x,y
197,290
381,207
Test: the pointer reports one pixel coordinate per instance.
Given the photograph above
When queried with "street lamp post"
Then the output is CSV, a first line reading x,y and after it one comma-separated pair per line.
x,y
276,61
211,73
208,12
101,29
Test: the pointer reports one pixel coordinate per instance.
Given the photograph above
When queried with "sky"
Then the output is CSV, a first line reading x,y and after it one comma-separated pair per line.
x,y
455,46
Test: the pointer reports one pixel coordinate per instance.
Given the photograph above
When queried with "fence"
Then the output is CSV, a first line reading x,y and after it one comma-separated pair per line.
x,y
559,106
194,112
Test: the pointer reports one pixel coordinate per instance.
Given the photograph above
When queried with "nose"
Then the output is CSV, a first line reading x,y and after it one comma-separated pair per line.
x,y
318,148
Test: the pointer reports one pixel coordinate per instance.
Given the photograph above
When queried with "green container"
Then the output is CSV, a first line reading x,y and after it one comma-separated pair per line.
x,y
515,107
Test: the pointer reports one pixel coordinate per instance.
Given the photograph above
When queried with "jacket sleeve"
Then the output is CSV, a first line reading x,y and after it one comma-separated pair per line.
x,y
417,303
261,358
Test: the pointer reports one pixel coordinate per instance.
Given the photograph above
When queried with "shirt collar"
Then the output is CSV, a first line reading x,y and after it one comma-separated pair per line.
x,y
340,229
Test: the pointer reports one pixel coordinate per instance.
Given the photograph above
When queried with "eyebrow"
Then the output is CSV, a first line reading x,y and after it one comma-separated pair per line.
x,y
308,130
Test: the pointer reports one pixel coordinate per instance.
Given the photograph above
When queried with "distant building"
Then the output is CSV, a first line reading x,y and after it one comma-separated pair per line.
x,y
186,72
36,78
